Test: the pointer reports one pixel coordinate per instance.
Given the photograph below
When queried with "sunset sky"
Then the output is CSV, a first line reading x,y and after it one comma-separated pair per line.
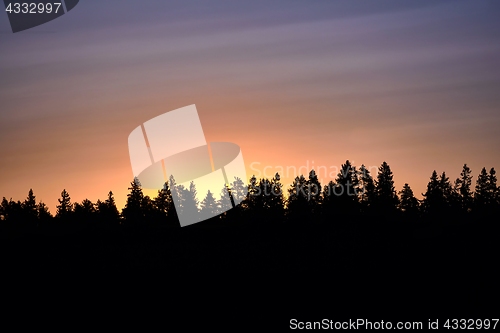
x,y
293,83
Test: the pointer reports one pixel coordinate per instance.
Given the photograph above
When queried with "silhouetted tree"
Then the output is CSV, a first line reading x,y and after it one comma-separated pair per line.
x,y
11,210
209,206
276,203
432,197
3,209
366,190
132,212
148,209
264,197
249,205
29,205
239,197
494,190
85,212
239,190
439,196
446,190
463,190
345,190
297,205
486,194
43,214
65,207
313,192
29,215
329,202
186,200
225,202
408,204
189,199
386,198
107,210
164,206
481,195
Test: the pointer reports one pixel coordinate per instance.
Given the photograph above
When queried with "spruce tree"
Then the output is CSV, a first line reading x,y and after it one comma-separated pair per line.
x,y
409,205
30,206
482,193
209,206
366,191
43,213
463,190
386,198
163,203
84,211
225,203
65,207
345,190
297,203
276,203
108,210
313,189
239,190
493,190
432,196
132,212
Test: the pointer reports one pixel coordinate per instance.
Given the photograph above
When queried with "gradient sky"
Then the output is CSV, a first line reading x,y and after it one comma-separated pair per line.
x,y
294,83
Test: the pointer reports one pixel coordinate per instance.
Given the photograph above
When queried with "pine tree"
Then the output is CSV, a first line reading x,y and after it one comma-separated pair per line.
x,y
4,209
29,216
84,211
486,196
493,190
132,212
29,205
297,203
209,206
190,199
386,198
250,203
446,191
438,198
176,191
14,211
108,211
432,197
263,200
366,190
65,207
313,192
328,204
345,191
225,203
482,193
148,210
409,204
463,189
239,191
165,212
186,200
277,203
43,213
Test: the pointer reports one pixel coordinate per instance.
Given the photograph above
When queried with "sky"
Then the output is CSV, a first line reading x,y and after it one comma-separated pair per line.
x,y
296,84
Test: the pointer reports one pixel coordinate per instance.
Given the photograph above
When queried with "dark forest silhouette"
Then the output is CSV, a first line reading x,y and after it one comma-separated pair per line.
x,y
354,194
348,248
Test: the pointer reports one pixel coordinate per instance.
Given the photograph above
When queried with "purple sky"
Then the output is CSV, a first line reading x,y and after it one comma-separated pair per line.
x,y
292,82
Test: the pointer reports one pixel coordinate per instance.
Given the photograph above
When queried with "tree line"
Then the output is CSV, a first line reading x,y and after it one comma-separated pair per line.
x,y
355,193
